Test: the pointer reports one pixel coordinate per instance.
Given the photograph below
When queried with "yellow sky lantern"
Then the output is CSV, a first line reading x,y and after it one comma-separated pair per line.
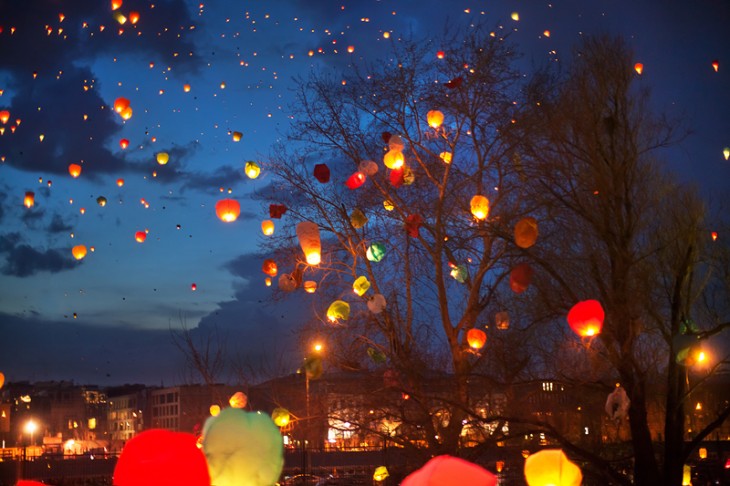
x,y
388,205
281,416
78,251
551,467
480,207
435,118
726,153
308,234
381,473
393,159
252,169
237,136
163,158
338,310
361,285
214,410
29,199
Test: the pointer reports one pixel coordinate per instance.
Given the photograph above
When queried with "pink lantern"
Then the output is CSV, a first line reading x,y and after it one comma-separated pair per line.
x,y
443,470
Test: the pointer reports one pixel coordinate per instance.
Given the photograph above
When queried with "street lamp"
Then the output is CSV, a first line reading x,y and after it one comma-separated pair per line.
x,y
30,427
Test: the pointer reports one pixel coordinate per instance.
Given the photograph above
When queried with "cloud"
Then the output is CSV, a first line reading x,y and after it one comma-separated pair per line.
x,y
22,260
57,225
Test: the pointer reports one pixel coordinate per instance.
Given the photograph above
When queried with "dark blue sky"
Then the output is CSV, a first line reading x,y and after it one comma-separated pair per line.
x,y
106,319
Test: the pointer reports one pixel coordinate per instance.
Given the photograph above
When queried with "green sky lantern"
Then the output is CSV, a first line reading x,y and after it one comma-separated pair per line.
x,y
375,252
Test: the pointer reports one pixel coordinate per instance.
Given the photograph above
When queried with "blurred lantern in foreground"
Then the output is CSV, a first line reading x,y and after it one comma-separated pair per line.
x,y
520,278
476,338
228,210
238,400
360,285
78,251
281,416
726,153
322,173
308,234
639,68
252,169
269,267
163,158
479,207
237,136
242,449
267,227
459,273
356,180
338,310
214,410
377,304
124,143
586,318
435,118
442,470
2,379
381,472
29,199
74,170
375,252
156,457
550,467
140,236
526,232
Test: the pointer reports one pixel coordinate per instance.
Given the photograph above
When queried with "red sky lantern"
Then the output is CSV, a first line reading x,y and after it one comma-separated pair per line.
x,y
74,170
4,116
639,68
413,223
133,17
396,177
124,143
586,318
276,211
440,54
476,338
322,173
269,267
716,65
228,210
121,104
140,236
520,278
355,180
450,470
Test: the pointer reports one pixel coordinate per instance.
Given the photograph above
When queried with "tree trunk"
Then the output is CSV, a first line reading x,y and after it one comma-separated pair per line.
x,y
646,472
674,426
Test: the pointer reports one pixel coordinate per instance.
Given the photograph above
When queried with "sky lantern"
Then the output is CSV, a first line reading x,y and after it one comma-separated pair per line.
x,y
520,277
281,416
501,320
412,224
716,65
476,338
310,286
393,159
156,456
308,234
163,158
358,218
267,227
726,153
479,207
381,473
120,104
140,236
74,170
287,282
193,287
639,68
337,311
116,4
4,116
29,199
238,400
356,180
126,113
322,173
186,87
395,142
435,118
586,318
2,379
361,285
78,251
276,211
228,210
214,410
120,182
133,17
269,267
252,169
446,469
377,303
375,252
551,467
101,201
123,143
237,136
526,232
446,157
440,54
368,167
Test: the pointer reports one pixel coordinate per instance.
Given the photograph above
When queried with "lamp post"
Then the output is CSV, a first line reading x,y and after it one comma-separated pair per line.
x,y
30,427
312,370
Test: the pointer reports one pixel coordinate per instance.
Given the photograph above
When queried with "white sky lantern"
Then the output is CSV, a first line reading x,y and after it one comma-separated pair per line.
x,y
308,234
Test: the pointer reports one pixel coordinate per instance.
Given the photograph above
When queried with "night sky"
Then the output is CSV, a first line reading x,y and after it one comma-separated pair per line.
x,y
107,319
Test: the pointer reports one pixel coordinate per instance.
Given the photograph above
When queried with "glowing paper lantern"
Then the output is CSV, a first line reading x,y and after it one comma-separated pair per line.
x,y
459,273
140,236
520,278
186,88
726,153
501,320
252,169
396,177
338,310
375,252
29,199
120,182
281,417
101,201
134,17
228,210
440,54
163,158
479,207
322,173
586,318
2,379
269,267
267,227
120,104
393,159
242,449
287,282
155,457
276,211
358,218
443,470
356,180
395,143
381,472
476,338
126,113
78,251
388,205
361,285
550,467
526,232
237,136
515,16
124,143
412,224
238,400
435,118
4,116
368,167
716,65
116,4
617,404
446,157
639,68
308,234
214,410
310,286
74,170
377,304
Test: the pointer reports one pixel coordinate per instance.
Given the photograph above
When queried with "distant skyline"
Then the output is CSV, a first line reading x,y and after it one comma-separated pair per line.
x,y
107,319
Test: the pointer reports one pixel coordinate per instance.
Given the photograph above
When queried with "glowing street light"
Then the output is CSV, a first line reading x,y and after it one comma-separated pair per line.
x,y
30,427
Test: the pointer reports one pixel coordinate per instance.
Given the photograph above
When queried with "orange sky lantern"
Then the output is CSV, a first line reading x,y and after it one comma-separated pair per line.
x,y
120,182
29,199
476,338
308,234
134,17
78,251
74,170
269,267
479,207
435,118
228,210
4,116
716,65
267,227
116,4
639,68
120,104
